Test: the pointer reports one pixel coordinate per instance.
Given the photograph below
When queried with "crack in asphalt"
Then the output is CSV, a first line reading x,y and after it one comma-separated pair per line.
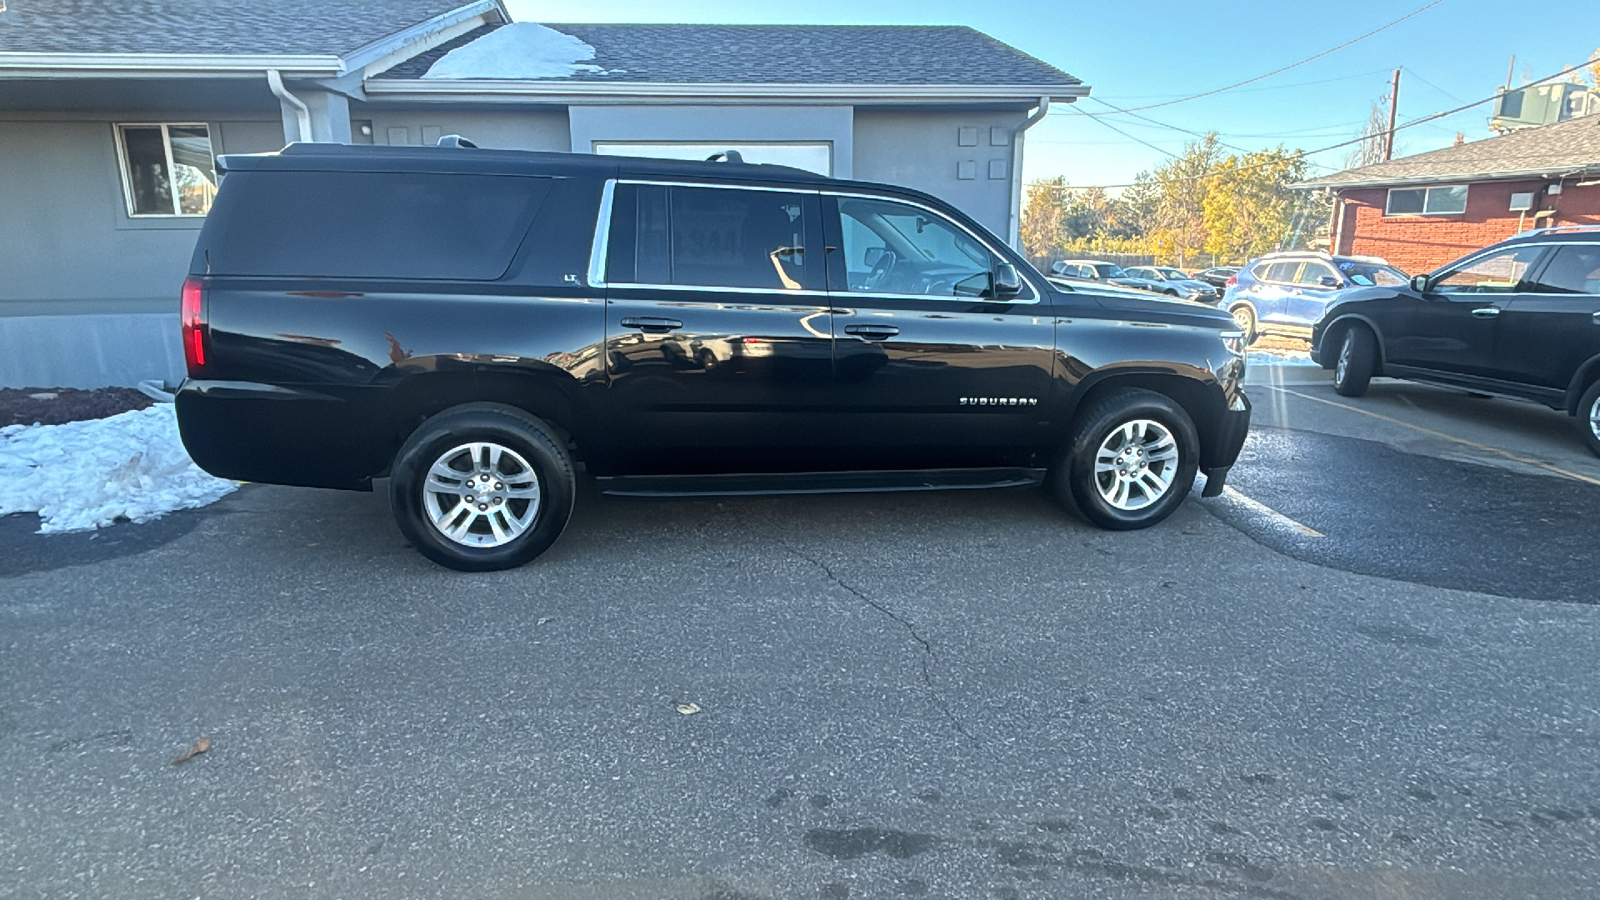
x,y
927,657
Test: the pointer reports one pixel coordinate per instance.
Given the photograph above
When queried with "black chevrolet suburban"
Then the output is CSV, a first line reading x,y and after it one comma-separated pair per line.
x,y
473,323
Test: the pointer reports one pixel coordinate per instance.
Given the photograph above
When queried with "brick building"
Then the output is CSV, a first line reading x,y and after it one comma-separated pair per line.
x,y
1423,211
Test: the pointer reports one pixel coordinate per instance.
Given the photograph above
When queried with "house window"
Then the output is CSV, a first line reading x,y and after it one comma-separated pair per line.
x,y
1431,201
167,170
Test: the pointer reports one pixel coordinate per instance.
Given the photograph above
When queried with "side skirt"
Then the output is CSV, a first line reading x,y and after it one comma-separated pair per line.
x,y
818,482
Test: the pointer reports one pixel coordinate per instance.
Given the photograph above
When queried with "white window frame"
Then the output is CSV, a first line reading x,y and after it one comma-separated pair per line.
x,y
172,169
1427,193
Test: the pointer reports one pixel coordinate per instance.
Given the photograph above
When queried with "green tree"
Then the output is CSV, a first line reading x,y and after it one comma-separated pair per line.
x,y
1251,207
1044,217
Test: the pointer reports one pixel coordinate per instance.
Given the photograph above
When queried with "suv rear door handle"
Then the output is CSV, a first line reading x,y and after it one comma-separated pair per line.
x,y
1486,312
651,323
872,332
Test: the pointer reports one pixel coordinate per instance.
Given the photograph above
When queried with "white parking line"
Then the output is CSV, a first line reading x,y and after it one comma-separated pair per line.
x,y
1263,511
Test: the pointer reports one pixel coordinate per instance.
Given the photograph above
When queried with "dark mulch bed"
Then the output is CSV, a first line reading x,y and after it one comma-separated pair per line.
x,y
52,406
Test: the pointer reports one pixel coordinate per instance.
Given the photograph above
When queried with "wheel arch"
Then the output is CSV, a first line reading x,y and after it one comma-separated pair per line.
x,y
1203,401
1582,380
1335,332
551,396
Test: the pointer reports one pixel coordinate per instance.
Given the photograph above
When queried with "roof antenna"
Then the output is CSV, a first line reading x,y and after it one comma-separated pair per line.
x,y
456,140
732,156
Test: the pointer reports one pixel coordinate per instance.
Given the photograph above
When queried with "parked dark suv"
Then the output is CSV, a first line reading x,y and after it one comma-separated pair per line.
x,y
472,323
1520,319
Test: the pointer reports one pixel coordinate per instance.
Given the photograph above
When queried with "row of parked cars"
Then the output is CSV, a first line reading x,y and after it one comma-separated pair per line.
x,y
1519,319
1202,287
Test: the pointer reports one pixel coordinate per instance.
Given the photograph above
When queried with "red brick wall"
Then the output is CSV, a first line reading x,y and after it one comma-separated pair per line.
x,y
1423,243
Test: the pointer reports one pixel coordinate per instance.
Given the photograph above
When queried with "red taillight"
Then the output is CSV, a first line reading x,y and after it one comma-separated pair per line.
x,y
1233,280
194,325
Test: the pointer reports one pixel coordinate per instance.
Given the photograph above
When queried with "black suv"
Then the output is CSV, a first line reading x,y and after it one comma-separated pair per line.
x,y
1519,319
471,323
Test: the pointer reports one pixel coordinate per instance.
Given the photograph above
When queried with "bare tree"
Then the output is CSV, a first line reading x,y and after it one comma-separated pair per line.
x,y
1370,151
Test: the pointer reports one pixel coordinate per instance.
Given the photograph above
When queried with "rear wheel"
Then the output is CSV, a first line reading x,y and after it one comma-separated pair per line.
x,y
1244,316
1131,462
1358,356
482,487
1589,418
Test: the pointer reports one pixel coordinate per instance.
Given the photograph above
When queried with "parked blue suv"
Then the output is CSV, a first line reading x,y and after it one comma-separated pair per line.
x,y
1285,293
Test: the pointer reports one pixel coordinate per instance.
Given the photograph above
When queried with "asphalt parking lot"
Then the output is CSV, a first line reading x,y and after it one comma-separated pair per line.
x,y
1369,671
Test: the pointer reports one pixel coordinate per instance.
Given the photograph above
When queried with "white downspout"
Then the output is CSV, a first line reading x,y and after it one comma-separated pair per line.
x,y
302,113
1016,172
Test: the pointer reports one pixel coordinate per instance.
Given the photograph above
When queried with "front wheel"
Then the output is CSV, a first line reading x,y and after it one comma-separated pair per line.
x,y
1589,418
482,487
1358,355
1131,462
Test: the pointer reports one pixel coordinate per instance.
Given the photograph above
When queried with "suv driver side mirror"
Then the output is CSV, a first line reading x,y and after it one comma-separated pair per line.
x,y
1007,283
1419,283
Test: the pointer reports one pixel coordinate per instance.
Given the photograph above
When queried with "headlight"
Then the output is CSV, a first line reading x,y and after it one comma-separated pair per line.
x,y
1234,341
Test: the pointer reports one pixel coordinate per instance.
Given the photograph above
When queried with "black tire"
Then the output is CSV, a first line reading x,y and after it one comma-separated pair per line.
x,y
440,439
1077,486
1589,418
1244,315
1358,357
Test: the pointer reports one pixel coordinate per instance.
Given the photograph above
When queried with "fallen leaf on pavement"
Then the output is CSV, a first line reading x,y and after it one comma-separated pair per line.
x,y
688,709
199,747
542,621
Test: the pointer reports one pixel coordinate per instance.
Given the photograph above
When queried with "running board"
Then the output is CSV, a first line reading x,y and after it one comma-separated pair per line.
x,y
757,484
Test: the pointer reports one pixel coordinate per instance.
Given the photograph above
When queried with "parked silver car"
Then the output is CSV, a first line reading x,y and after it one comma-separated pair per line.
x,y
1176,283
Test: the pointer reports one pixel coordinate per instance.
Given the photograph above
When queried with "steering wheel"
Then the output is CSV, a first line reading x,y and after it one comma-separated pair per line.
x,y
880,270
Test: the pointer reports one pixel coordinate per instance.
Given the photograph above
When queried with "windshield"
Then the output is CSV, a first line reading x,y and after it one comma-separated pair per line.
x,y
1173,274
1369,274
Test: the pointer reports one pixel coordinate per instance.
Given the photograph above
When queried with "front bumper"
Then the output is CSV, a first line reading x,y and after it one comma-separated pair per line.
x,y
1221,443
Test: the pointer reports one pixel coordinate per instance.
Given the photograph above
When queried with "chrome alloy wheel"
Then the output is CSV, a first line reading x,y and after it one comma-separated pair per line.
x,y
1135,464
481,495
1594,417
1343,365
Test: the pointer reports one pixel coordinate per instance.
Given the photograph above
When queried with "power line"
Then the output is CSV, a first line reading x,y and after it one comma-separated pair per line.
x,y
1172,127
1302,154
1280,70
1275,87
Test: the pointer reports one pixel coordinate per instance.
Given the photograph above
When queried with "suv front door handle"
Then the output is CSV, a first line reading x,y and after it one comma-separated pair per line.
x,y
872,332
652,324
1486,312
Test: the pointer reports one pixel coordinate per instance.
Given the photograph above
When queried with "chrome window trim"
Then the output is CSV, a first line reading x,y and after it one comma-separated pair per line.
x,y
1034,293
716,289
602,237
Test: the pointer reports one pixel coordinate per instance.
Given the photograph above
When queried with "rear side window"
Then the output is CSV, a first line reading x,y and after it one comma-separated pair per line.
x,y
1575,269
371,225
713,237
1282,271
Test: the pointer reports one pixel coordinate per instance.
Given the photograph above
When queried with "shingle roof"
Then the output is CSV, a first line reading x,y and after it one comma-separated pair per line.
x,y
1565,147
222,27
790,54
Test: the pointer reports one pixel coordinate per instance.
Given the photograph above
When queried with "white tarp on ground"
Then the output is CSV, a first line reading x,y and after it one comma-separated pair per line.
x,y
81,475
516,51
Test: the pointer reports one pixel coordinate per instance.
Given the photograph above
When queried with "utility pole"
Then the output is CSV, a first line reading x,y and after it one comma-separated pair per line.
x,y
1511,70
1394,101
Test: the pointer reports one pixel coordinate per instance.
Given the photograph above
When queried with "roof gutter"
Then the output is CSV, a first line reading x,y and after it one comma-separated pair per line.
x,y
1016,170
1455,178
79,65
592,91
302,113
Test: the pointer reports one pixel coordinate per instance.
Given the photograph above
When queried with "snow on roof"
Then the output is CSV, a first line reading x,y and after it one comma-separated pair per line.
x,y
518,50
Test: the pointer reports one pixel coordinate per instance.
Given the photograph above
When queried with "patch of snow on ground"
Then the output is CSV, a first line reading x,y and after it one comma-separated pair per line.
x,y
1276,357
516,51
82,475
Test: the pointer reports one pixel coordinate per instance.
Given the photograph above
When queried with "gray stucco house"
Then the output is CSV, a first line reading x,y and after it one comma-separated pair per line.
x,y
111,115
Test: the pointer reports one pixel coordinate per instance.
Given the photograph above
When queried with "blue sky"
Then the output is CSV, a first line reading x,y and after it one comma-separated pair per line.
x,y
1133,54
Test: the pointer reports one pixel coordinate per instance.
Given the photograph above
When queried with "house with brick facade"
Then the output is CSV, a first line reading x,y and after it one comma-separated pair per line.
x,y
1423,211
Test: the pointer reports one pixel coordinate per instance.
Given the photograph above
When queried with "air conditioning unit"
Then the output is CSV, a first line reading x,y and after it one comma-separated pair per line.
x,y
1543,104
1522,201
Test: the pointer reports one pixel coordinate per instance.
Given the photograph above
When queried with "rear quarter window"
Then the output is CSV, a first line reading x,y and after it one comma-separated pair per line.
x,y
440,227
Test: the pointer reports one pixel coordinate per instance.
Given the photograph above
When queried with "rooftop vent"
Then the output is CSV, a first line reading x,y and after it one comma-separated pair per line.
x,y
732,156
456,140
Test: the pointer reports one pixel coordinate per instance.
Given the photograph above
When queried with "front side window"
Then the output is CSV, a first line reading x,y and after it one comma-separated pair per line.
x,y
1497,273
1312,274
1431,201
1574,269
169,170
711,237
895,248
1370,274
